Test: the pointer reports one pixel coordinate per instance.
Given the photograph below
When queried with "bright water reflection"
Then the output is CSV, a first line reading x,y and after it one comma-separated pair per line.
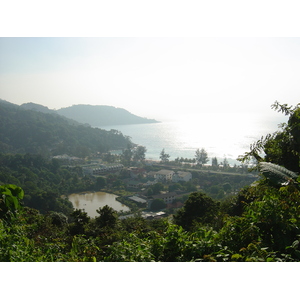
x,y
221,135
90,202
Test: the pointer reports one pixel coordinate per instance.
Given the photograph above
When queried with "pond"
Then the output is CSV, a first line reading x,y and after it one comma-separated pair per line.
x,y
90,202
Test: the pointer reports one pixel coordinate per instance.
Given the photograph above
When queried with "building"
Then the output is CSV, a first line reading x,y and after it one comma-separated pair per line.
x,y
137,172
164,175
167,197
133,184
149,183
137,199
98,169
151,174
182,176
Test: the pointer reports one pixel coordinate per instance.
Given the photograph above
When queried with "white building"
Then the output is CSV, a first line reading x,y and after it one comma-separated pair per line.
x,y
182,176
164,175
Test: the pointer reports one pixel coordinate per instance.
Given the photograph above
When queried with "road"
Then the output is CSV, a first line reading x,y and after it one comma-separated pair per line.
x,y
206,171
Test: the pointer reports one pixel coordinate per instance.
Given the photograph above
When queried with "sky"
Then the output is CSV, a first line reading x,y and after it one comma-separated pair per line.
x,y
162,78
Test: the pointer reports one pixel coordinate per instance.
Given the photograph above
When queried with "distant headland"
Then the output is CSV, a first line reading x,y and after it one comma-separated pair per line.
x,y
94,115
102,115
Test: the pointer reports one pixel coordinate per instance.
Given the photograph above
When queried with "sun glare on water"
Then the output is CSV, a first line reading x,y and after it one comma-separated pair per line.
x,y
221,135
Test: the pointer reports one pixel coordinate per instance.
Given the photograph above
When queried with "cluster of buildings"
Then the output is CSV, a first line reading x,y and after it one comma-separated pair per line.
x,y
101,169
169,175
138,182
168,197
138,175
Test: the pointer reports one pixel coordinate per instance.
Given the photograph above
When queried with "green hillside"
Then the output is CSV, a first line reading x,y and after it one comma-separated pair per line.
x,y
31,131
37,107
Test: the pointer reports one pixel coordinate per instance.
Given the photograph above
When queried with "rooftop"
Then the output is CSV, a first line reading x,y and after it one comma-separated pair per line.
x,y
164,172
137,199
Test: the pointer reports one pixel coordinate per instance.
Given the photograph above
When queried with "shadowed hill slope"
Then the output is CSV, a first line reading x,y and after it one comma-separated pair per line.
x,y
29,131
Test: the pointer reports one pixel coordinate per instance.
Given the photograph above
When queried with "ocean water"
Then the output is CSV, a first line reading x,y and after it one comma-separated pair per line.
x,y
220,135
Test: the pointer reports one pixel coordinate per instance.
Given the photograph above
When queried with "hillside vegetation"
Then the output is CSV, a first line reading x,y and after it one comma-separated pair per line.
x,y
30,131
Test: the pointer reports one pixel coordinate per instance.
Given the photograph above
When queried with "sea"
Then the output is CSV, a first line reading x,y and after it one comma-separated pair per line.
x,y
221,135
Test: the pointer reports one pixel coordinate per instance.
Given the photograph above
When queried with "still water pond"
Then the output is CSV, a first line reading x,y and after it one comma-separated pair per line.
x,y
90,202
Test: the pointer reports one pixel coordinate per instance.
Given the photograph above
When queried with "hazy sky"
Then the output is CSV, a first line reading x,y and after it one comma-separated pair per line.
x,y
152,77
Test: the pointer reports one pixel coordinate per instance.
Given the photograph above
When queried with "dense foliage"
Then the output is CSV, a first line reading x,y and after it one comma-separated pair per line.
x,y
267,230
198,208
283,146
44,180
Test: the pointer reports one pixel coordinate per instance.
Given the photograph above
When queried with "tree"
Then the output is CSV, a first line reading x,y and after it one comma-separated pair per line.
x,y
110,158
11,195
174,187
157,187
198,208
58,218
81,218
214,162
149,192
100,182
164,157
227,187
177,160
139,153
108,217
201,157
158,204
127,155
281,147
225,163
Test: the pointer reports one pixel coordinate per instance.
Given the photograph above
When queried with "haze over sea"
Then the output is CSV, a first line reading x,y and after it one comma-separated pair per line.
x,y
221,135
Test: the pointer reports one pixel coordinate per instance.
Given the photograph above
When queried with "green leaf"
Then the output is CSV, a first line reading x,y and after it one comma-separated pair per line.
x,y
236,256
12,190
295,244
276,173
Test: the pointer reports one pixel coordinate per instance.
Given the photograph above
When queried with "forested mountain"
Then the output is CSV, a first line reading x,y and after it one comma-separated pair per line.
x,y
29,131
37,107
46,110
94,115
102,115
